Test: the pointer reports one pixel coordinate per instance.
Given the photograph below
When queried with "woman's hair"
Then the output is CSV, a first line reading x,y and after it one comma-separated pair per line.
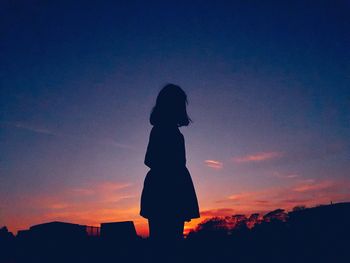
x,y
170,107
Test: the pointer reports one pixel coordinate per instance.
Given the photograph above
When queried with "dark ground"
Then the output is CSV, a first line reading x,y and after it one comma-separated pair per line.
x,y
319,234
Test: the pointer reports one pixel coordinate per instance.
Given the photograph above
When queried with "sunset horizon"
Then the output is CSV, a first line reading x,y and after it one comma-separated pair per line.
x,y
268,94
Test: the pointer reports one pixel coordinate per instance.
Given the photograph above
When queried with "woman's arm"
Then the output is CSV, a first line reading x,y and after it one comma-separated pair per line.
x,y
166,149
151,150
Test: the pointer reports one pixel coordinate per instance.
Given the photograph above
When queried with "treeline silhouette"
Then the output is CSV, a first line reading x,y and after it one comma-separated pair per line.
x,y
318,234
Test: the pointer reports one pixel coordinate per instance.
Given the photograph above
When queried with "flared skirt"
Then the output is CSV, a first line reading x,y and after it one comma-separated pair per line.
x,y
169,194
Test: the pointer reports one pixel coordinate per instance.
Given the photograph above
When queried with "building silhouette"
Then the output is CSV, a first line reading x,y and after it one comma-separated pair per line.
x,y
118,231
122,231
317,234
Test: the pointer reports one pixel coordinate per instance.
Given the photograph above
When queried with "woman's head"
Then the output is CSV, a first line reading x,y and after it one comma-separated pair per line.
x,y
170,108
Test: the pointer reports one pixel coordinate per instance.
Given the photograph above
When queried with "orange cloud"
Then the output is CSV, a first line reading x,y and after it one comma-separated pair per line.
x,y
90,204
241,196
258,157
214,164
303,192
285,175
217,212
313,186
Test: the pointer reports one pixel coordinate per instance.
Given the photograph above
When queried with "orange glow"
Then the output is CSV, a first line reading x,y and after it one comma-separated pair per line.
x,y
312,186
192,224
258,157
111,202
214,164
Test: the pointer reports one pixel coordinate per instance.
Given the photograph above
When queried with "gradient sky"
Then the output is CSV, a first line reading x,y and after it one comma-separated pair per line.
x,y
269,93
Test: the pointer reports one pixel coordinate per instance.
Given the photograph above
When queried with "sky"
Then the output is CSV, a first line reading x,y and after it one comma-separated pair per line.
x,y
268,90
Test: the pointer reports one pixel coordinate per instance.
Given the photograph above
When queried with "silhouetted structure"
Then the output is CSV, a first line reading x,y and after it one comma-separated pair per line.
x,y
57,230
93,231
118,231
319,234
7,242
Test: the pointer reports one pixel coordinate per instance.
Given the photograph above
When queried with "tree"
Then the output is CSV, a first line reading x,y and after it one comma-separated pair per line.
x,y
298,208
276,215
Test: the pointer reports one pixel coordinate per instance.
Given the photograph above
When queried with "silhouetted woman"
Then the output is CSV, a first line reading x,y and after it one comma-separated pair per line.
x,y
168,198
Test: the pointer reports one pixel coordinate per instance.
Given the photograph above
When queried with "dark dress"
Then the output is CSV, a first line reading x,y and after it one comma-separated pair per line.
x,y
168,190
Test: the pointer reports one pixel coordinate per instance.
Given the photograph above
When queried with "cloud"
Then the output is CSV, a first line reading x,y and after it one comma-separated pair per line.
x,y
116,144
83,191
314,186
240,196
308,192
285,175
105,194
214,164
89,204
111,186
319,151
33,129
102,193
59,206
258,157
45,131
217,212
296,201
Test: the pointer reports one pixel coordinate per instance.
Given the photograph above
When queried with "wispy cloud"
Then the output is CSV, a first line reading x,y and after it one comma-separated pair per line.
x,y
310,186
102,193
258,157
218,212
45,131
307,192
285,175
214,164
241,196
116,144
90,203
33,128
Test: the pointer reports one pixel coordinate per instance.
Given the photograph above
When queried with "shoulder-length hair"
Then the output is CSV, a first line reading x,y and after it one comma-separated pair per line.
x,y
170,108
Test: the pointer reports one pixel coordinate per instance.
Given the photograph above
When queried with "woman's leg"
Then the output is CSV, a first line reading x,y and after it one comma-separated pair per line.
x,y
176,229
164,235
156,229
